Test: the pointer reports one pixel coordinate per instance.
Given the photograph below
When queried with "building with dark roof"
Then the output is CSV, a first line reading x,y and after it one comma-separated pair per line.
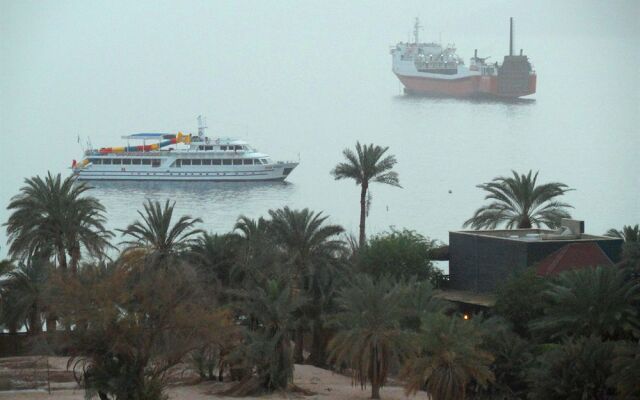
x,y
479,261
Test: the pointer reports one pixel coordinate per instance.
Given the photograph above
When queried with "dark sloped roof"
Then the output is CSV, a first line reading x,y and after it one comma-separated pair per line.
x,y
573,256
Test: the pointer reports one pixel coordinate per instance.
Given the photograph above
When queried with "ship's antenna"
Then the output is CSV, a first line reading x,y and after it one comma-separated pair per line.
x,y
416,30
202,125
511,36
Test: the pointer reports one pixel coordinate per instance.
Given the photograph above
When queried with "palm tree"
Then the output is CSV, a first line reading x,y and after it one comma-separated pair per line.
x,y
626,370
370,340
310,247
157,235
520,203
575,369
23,293
53,217
591,301
266,351
450,358
631,246
364,166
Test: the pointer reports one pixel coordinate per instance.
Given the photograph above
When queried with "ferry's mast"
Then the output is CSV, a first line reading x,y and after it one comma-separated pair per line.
x,y
416,30
202,125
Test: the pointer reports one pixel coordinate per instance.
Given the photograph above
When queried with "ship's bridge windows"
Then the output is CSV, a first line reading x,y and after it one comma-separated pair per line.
x,y
238,148
263,160
226,162
186,162
248,161
237,162
146,161
136,161
196,162
95,161
117,161
106,162
216,162
126,161
206,162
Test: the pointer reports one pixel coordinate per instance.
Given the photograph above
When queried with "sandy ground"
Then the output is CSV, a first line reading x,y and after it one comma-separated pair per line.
x,y
325,384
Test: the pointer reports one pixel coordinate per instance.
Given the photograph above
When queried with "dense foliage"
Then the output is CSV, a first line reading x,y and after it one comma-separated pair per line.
x,y
243,305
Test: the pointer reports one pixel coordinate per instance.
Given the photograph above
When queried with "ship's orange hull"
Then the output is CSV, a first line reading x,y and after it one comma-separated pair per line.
x,y
463,87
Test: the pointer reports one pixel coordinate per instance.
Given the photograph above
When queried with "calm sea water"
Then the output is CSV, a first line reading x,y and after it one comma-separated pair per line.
x,y
309,89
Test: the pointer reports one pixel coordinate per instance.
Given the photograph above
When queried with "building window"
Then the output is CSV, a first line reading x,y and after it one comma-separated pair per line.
x,y
196,162
216,162
226,162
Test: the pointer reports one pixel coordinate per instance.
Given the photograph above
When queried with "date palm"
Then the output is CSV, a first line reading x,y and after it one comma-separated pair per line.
x,y
450,358
370,339
591,301
157,234
519,202
631,246
54,217
310,247
368,164
23,292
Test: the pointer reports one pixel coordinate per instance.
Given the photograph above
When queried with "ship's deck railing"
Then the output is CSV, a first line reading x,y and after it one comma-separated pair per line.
x,y
169,152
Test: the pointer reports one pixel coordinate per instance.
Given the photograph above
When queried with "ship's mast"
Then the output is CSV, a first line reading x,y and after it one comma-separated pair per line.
x,y
202,125
416,30
511,36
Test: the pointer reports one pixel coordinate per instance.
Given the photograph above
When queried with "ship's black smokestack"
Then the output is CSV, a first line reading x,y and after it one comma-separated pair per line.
x,y
511,36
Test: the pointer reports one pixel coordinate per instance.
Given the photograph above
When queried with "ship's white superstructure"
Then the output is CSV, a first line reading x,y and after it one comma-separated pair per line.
x,y
178,157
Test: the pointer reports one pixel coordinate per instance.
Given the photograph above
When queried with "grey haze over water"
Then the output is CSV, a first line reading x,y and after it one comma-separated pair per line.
x,y
311,78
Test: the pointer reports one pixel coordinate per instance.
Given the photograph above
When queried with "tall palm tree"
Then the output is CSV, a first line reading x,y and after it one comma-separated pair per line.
x,y
370,340
311,248
450,358
54,217
591,301
521,203
157,234
366,165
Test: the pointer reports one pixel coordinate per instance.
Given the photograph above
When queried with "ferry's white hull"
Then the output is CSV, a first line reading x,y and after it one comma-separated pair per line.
x,y
276,172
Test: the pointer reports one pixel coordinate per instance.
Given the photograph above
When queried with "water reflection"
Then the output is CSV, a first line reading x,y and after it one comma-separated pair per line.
x,y
218,203
431,98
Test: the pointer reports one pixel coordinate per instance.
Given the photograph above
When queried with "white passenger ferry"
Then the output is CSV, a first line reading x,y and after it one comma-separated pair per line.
x,y
181,157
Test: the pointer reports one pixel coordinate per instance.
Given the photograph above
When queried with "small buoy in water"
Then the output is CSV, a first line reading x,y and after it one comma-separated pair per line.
x,y
449,190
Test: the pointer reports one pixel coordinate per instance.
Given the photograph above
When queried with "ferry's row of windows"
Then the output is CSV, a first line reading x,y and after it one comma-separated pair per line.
x,y
223,148
236,161
155,162
126,161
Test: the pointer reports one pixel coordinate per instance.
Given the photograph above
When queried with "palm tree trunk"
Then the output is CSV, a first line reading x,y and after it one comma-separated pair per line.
x,y
318,356
62,258
75,259
363,211
375,384
298,356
